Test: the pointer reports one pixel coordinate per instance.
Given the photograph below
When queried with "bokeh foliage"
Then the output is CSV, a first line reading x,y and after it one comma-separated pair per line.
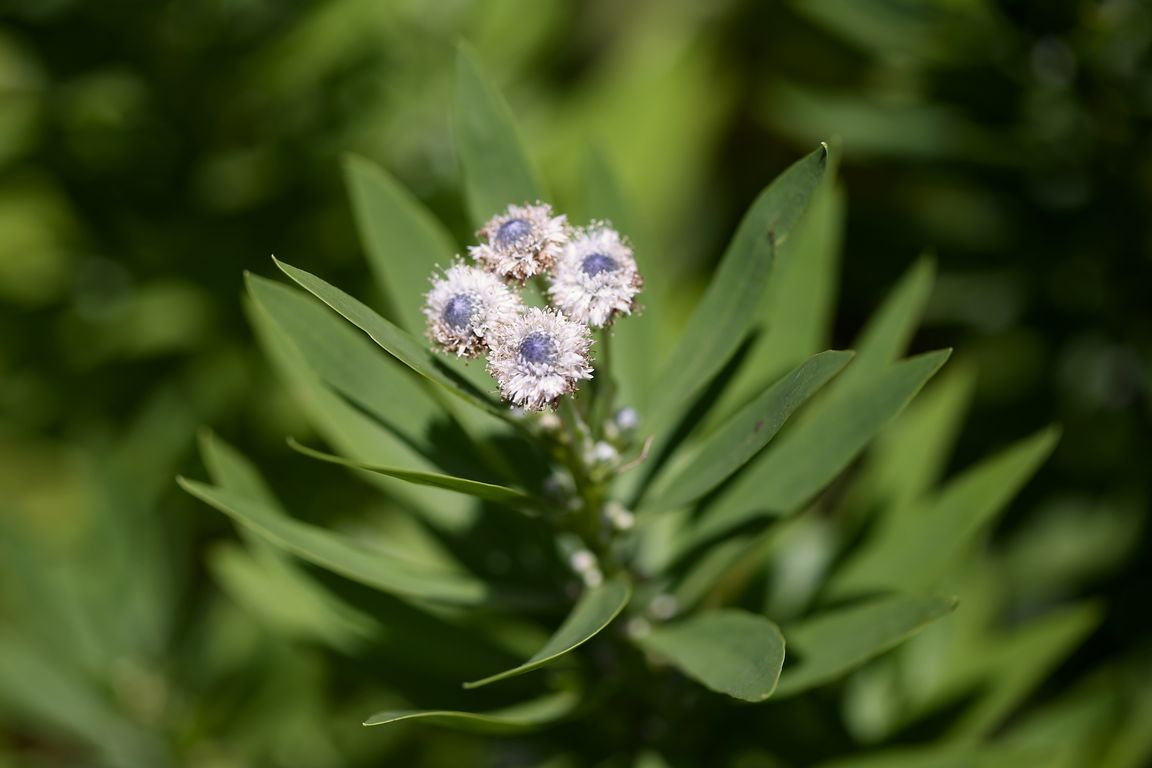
x,y
151,152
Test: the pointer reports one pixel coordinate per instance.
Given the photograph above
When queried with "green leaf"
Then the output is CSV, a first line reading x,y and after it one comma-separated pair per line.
x,y
350,363
952,756
913,550
521,717
262,577
402,240
397,342
799,465
353,432
916,34
834,643
595,610
909,457
376,568
888,331
729,651
229,469
269,586
497,172
727,310
743,436
796,317
487,491
1016,662
346,426
636,341
58,696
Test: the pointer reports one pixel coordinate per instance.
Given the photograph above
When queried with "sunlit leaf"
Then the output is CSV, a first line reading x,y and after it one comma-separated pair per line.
x,y
349,362
403,346
375,568
497,172
635,341
351,430
403,241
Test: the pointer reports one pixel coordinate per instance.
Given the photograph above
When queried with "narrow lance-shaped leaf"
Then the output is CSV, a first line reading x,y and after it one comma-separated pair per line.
x,y
405,244
232,471
747,432
810,457
953,756
729,651
636,342
521,717
728,308
374,568
497,172
796,317
889,329
1018,661
397,342
350,363
402,240
595,610
832,644
909,457
914,549
487,491
349,428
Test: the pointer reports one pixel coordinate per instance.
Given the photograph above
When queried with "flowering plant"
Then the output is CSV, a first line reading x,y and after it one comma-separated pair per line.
x,y
625,515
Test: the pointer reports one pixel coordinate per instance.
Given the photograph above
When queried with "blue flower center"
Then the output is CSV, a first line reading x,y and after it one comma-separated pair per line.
x,y
597,264
458,311
512,232
538,348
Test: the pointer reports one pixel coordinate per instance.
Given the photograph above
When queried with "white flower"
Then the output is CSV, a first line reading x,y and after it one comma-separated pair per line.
x,y
465,306
538,357
595,277
521,242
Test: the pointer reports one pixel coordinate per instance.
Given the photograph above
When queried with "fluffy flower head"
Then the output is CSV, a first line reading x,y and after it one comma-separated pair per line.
x,y
465,306
539,357
521,242
595,277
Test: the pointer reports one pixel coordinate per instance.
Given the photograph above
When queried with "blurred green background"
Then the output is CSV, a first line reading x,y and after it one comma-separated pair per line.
x,y
150,152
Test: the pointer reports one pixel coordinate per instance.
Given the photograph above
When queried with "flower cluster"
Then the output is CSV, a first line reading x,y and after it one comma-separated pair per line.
x,y
536,354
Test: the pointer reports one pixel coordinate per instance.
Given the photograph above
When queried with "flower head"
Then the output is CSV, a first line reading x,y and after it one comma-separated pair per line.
x,y
538,357
521,242
465,306
595,277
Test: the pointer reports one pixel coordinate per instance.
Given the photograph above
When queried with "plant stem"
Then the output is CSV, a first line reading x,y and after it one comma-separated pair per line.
x,y
590,491
606,391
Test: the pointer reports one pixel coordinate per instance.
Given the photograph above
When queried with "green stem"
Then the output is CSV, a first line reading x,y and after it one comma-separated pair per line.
x,y
606,391
590,492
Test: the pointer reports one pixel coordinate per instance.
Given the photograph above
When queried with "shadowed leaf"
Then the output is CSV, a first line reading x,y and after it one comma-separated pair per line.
x,y
595,610
487,491
729,651
521,717
832,644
